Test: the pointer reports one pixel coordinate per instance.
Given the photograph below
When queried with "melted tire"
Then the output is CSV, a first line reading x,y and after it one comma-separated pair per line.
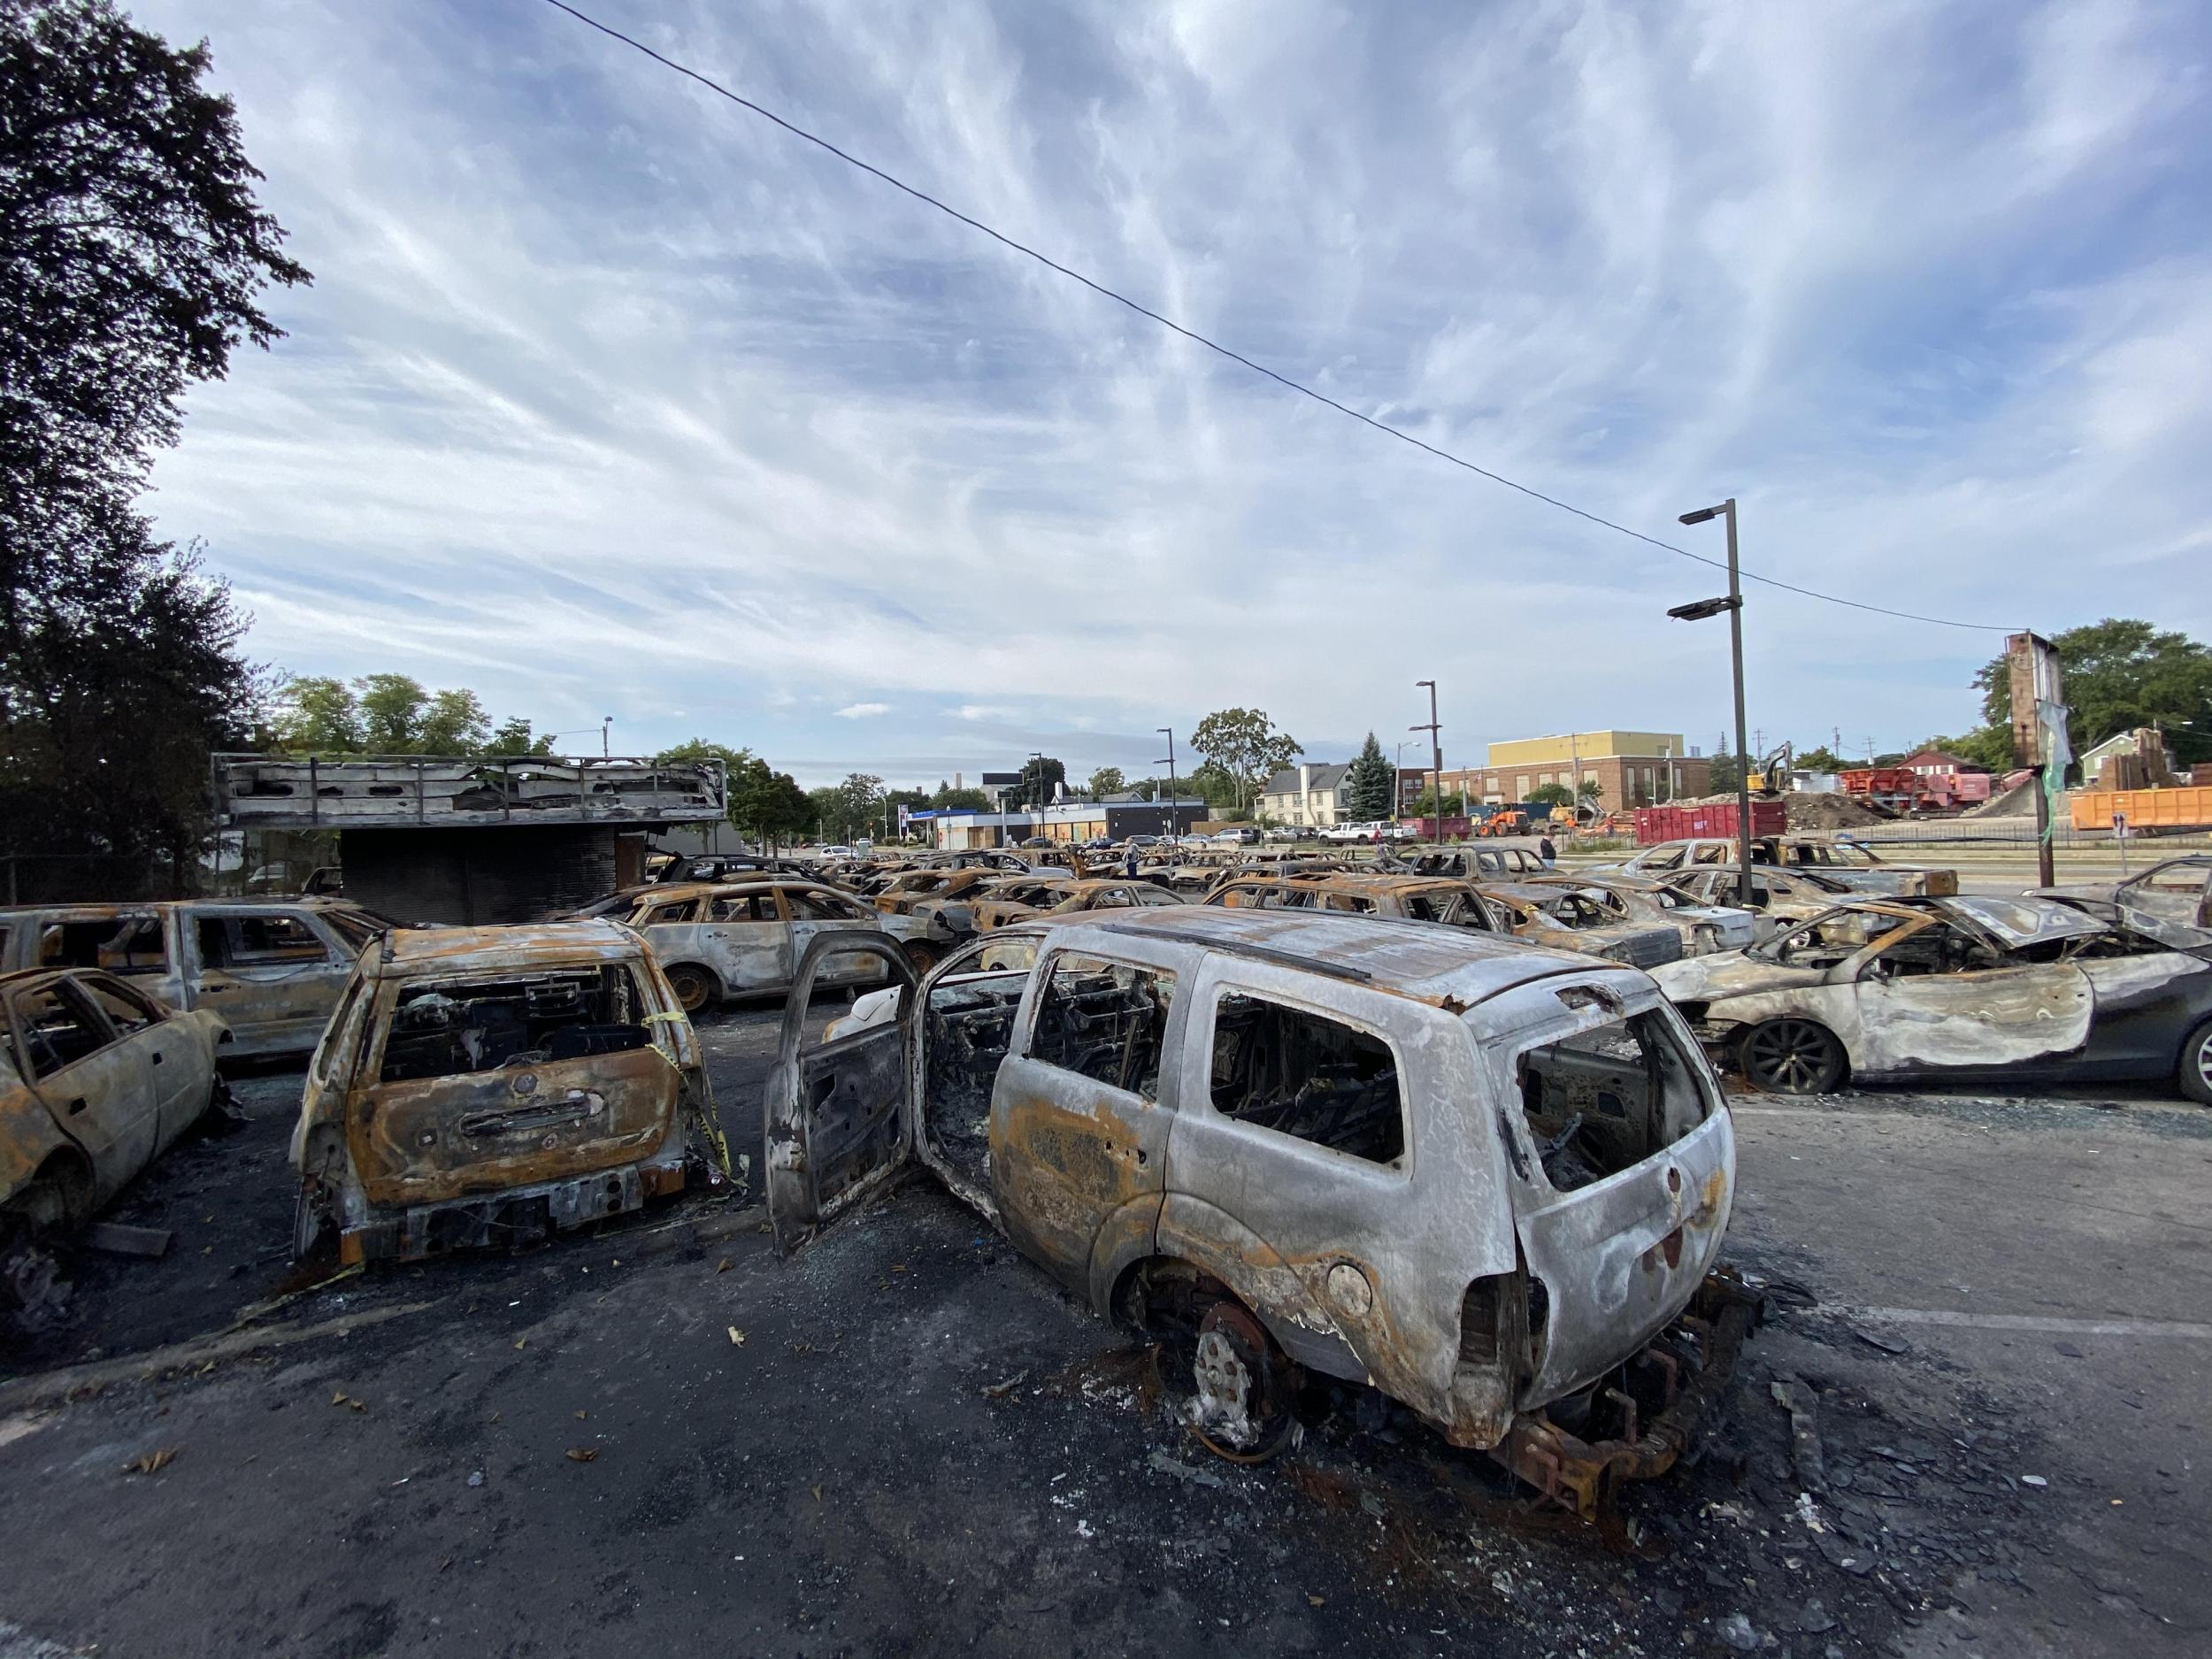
x,y
1791,1056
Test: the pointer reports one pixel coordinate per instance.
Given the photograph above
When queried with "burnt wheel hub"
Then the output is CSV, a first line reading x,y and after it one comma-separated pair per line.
x,y
1240,1402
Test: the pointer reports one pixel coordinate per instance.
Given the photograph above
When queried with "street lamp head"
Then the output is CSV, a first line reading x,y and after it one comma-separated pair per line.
x,y
1702,514
1704,608
1424,682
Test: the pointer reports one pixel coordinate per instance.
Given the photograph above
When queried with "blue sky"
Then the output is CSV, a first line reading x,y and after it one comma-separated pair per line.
x,y
610,398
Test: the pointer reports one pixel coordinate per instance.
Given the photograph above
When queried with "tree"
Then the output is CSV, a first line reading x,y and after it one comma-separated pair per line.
x,y
1370,790
1591,790
1244,743
1105,781
1820,759
1040,777
511,736
948,799
860,805
1214,784
2120,673
132,254
1727,770
454,723
393,714
1551,794
318,715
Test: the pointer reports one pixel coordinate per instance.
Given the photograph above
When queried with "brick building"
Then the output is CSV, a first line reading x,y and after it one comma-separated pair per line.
x,y
1632,768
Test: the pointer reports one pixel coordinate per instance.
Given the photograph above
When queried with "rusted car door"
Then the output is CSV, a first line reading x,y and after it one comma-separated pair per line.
x,y
1295,1178
507,1079
2175,893
817,910
838,1116
98,1087
181,1081
139,944
1940,997
271,972
743,938
1082,1110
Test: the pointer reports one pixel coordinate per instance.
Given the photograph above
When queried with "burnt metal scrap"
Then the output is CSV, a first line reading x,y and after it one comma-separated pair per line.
x,y
1489,1180
496,1085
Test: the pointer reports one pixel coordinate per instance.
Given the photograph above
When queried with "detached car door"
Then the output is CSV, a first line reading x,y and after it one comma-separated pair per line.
x,y
817,910
268,971
838,1116
1942,998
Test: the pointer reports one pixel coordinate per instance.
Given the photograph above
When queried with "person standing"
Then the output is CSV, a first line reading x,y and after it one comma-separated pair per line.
x,y
1548,853
1129,860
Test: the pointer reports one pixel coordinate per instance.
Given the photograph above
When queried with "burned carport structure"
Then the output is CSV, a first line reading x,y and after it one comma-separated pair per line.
x,y
472,840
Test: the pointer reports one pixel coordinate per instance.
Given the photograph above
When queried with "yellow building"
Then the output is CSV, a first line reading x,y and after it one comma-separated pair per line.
x,y
1573,746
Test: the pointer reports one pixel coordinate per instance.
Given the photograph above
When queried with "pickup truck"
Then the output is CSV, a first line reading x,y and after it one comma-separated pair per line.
x,y
1487,1177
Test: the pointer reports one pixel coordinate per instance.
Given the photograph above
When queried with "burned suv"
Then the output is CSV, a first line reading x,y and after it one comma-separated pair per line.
x,y
1487,1177
493,1085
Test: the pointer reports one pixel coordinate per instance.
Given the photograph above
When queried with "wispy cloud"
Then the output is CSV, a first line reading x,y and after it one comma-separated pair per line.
x,y
609,397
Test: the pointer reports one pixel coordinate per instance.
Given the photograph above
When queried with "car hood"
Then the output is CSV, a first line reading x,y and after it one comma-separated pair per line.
x,y
1728,973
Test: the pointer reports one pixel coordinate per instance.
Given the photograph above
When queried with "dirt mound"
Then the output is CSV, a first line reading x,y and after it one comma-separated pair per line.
x,y
1833,812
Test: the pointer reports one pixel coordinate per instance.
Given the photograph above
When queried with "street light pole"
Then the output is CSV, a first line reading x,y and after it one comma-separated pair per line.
x,y
605,725
1397,771
1173,790
1436,753
1733,606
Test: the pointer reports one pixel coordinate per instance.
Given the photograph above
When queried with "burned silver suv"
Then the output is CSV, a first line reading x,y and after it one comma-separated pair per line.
x,y
1487,1177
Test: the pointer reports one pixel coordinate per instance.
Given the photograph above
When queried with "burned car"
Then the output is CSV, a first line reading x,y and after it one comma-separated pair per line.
x,y
1704,928
1568,920
1488,863
1778,898
900,895
1024,898
496,1085
1851,864
1998,990
2172,900
270,970
97,1079
1487,1178
1411,898
717,939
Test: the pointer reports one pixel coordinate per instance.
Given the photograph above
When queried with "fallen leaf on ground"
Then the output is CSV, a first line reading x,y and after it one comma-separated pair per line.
x,y
737,1337
580,1417
342,1398
152,1463
1000,1390
724,1265
520,1341
582,1454
816,1491
1314,1601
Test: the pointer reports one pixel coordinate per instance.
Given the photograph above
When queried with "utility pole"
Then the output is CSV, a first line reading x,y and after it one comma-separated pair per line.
x,y
1169,733
1733,606
1436,752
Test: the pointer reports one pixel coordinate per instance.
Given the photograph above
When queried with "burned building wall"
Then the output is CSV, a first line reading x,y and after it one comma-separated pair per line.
x,y
471,877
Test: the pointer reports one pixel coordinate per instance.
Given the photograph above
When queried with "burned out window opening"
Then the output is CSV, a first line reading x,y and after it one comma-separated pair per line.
x,y
1606,1099
1302,1074
1104,1020
666,915
57,1031
1826,940
967,1031
354,930
1938,949
120,944
732,907
453,1029
258,941
125,1009
813,904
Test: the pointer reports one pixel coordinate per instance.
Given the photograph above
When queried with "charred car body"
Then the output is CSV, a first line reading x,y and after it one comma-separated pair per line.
x,y
2172,900
1487,1178
96,1080
270,970
999,903
1851,864
494,1085
717,939
1779,898
1704,928
1966,988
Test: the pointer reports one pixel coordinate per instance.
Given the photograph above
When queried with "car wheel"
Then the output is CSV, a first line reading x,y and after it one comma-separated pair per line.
x,y
1793,1056
923,957
1243,1387
693,987
2195,1074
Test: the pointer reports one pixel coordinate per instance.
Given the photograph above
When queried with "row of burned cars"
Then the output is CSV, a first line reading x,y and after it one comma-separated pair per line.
x,y
1451,1128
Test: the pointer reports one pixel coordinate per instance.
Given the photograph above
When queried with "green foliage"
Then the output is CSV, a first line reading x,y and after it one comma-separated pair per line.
x,y
393,714
1986,745
1424,806
1592,789
1727,770
765,806
1105,781
2121,674
1214,784
1039,779
133,253
1371,784
960,799
1244,744
1820,759
859,805
1551,794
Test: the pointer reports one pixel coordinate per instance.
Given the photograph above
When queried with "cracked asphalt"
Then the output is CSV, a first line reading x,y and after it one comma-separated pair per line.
x,y
1991,1317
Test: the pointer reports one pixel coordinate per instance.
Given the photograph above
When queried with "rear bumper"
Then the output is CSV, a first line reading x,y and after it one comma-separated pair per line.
x,y
514,1216
1648,1411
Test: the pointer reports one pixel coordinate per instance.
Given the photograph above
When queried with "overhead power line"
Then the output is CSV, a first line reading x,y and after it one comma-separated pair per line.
x,y
1193,335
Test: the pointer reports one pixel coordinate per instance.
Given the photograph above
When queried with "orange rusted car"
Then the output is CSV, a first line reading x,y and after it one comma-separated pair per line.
x,y
496,1085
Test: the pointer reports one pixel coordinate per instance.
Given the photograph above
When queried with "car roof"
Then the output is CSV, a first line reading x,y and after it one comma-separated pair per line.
x,y
409,952
140,907
1453,968
746,884
2022,921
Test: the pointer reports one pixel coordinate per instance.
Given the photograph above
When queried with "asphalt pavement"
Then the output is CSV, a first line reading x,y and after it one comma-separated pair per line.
x,y
1990,1317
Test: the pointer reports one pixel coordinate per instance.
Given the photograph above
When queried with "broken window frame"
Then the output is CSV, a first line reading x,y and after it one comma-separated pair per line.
x,y
373,1070
1167,983
1202,1045
1527,1142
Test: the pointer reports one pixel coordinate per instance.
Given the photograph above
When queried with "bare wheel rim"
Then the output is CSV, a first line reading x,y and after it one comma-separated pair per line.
x,y
1793,1056
2204,1057
690,986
